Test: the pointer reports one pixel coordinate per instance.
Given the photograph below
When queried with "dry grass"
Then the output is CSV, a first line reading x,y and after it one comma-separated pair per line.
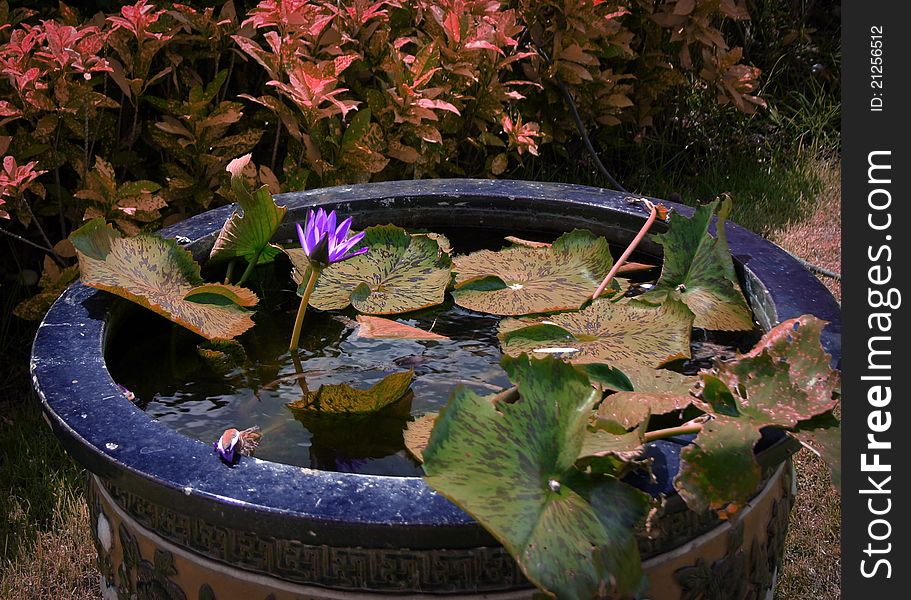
x,y
812,562
60,563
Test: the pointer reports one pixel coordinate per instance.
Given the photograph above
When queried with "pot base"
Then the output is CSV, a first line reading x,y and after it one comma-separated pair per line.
x,y
736,559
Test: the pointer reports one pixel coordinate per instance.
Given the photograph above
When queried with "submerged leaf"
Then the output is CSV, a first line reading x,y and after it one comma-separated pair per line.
x,y
342,399
379,328
617,333
511,466
401,273
521,280
699,271
162,276
248,235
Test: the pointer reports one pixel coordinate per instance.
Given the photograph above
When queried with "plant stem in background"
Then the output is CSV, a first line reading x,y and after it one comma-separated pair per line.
x,y
230,272
302,309
629,249
250,265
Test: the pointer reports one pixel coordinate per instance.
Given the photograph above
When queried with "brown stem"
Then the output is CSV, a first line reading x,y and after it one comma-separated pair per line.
x,y
54,255
660,434
629,249
507,396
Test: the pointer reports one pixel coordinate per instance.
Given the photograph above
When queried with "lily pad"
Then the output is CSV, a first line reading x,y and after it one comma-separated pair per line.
x,y
616,333
822,436
698,270
379,328
343,399
521,280
417,435
247,235
511,466
400,273
784,381
643,379
632,408
719,469
160,275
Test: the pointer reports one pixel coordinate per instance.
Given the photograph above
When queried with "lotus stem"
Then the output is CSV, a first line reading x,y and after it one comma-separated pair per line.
x,y
507,396
302,309
694,426
629,249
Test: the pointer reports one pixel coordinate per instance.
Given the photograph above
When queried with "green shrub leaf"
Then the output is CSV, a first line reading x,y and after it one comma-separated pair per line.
x,y
160,275
533,280
511,466
699,271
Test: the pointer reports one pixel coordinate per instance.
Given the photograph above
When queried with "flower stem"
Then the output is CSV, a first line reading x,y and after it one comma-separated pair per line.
x,y
230,272
629,249
302,309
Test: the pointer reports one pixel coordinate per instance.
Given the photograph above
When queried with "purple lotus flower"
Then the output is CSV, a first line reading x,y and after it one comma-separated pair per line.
x,y
324,243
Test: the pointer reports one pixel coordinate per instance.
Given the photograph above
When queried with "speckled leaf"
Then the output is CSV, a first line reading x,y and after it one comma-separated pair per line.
x,y
617,333
824,440
657,381
247,235
600,442
162,276
380,328
784,379
607,377
400,273
631,408
719,470
519,280
340,399
417,435
699,271
511,468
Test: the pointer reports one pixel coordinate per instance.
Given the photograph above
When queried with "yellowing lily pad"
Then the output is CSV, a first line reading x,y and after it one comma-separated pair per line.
x,y
417,435
616,333
520,280
698,270
247,235
512,467
399,273
160,275
342,399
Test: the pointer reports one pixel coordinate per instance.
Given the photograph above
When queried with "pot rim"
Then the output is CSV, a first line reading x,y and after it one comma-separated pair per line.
x,y
120,443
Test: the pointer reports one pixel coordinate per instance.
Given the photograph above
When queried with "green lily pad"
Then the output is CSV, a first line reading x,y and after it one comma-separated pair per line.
x,y
699,271
400,273
247,235
617,333
160,275
520,280
511,466
343,399
719,470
